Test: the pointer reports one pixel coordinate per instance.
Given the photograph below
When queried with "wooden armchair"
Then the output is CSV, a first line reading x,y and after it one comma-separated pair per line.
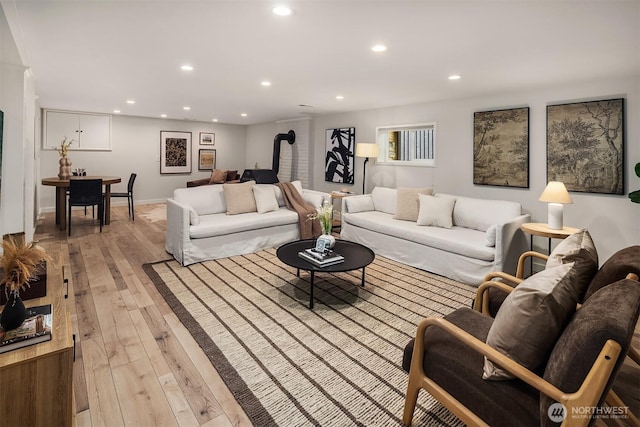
x,y
447,356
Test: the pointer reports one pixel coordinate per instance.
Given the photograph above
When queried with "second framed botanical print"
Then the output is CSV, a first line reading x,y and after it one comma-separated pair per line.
x,y
175,152
585,146
501,148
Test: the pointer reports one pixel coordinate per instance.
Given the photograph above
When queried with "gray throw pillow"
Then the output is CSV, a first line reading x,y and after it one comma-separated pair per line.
x,y
532,318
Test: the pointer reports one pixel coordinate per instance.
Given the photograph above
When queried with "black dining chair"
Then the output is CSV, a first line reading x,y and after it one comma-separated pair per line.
x,y
128,195
86,192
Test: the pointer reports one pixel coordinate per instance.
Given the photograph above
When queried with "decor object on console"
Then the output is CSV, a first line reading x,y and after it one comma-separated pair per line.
x,y
366,151
206,159
65,163
175,152
585,146
339,160
501,148
556,195
20,262
485,235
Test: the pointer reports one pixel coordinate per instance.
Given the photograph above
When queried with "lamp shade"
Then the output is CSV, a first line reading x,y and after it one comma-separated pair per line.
x,y
366,150
555,192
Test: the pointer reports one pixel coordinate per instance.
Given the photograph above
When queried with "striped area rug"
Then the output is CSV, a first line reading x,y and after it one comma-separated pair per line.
x,y
338,365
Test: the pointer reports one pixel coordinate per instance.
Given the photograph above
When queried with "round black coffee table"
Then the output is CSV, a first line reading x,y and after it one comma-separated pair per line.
x,y
355,256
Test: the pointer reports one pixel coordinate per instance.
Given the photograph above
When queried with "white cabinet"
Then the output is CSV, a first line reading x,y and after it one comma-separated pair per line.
x,y
88,131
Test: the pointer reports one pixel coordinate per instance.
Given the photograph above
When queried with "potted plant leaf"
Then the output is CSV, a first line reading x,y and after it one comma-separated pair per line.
x,y
19,263
635,195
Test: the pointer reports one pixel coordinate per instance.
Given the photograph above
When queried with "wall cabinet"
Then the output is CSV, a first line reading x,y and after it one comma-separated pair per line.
x,y
36,382
89,131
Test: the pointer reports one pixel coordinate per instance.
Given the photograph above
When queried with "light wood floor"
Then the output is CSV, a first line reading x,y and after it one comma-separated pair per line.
x,y
135,363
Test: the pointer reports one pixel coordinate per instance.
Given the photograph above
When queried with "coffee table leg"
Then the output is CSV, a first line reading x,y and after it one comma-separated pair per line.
x,y
362,284
311,292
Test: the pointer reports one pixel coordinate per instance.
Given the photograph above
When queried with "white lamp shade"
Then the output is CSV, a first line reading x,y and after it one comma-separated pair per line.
x,y
366,150
555,192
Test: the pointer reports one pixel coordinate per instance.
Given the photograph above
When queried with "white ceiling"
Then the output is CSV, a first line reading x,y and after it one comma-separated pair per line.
x,y
93,55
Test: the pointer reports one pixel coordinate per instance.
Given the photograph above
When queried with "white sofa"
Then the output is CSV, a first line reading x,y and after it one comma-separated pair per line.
x,y
199,228
485,235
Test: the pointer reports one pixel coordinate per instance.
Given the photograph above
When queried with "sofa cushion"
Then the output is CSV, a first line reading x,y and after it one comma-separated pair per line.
x,y
384,199
205,199
407,204
239,198
436,211
222,224
232,175
265,199
616,268
479,214
218,176
532,318
357,204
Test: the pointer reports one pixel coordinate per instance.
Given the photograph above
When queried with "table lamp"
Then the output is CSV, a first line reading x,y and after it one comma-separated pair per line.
x,y
556,195
366,150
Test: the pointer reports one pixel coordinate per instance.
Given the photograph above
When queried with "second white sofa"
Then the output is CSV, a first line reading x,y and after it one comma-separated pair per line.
x,y
484,236
199,227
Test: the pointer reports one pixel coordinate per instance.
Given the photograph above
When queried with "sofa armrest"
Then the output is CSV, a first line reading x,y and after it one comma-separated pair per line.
x,y
359,203
198,182
510,243
178,224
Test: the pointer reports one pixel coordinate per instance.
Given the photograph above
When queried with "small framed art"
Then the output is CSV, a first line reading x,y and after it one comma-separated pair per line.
x,y
206,159
175,152
207,138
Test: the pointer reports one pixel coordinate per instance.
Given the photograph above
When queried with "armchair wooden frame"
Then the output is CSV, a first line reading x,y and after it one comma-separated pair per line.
x,y
587,395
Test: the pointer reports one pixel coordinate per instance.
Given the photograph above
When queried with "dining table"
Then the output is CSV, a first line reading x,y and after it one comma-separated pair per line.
x,y
62,185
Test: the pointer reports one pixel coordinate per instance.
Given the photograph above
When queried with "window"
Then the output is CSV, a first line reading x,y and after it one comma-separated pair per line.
x,y
412,145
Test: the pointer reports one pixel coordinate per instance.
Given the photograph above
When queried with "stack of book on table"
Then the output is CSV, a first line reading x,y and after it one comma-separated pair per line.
x,y
36,328
321,259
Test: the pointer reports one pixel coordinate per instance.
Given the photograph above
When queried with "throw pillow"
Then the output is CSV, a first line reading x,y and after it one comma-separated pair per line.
x,y
531,319
357,204
218,176
232,175
578,248
407,205
490,235
298,185
239,198
194,219
436,211
265,199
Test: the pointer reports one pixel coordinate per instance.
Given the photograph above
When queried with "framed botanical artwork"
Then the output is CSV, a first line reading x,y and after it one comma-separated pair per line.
x,y
206,159
340,156
501,148
175,152
207,138
585,146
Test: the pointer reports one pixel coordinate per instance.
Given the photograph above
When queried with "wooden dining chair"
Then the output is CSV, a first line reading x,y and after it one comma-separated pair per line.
x,y
128,195
86,192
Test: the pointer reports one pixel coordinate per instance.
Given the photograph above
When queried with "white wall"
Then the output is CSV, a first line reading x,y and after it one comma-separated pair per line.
x,y
135,143
259,145
613,221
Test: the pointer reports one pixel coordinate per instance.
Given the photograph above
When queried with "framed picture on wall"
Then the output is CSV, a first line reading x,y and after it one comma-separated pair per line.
x,y
175,152
340,155
585,146
501,148
206,159
207,138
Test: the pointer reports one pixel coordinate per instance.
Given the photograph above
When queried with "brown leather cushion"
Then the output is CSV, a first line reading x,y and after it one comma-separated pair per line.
x,y
616,268
232,175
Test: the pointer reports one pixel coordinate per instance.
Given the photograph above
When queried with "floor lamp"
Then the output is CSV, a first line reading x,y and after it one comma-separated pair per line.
x,y
366,150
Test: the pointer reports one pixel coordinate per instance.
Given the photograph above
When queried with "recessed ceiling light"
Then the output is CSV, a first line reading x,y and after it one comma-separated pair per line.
x,y
455,77
244,114
186,67
186,107
116,111
339,97
379,48
265,83
214,120
281,10
130,101
163,116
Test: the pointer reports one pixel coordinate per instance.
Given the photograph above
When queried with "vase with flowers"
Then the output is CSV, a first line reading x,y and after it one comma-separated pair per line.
x,y
19,263
325,216
65,163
